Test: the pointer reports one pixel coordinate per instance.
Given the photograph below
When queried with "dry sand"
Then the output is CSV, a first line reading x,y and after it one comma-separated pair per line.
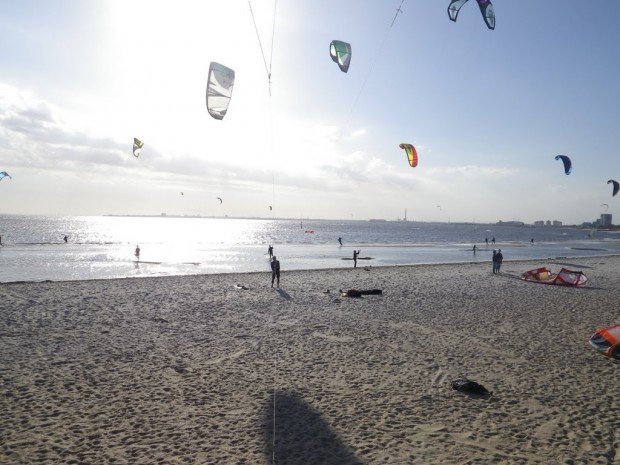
x,y
183,370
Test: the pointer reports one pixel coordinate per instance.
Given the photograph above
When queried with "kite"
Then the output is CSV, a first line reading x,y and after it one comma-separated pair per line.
x,y
616,186
564,278
137,145
270,208
486,8
182,193
605,205
607,341
4,174
341,54
568,166
219,89
220,199
412,154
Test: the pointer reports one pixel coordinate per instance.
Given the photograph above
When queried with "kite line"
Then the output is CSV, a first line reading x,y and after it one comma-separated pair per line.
x,y
372,65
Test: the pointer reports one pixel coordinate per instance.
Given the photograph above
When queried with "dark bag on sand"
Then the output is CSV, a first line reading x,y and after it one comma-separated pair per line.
x,y
356,293
463,384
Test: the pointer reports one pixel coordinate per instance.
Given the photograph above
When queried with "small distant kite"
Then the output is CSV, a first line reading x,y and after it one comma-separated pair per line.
x,y
137,145
486,8
605,205
270,208
611,181
220,199
4,174
219,89
412,154
341,54
568,165
182,193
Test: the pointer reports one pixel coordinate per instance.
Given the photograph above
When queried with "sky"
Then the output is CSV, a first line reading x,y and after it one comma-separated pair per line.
x,y
487,110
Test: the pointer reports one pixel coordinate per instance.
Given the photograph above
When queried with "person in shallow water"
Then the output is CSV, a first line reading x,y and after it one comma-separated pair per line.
x,y
355,254
340,240
474,249
270,250
137,252
275,271
66,238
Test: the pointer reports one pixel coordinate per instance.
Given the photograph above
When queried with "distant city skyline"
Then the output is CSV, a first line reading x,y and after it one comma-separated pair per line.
x,y
487,110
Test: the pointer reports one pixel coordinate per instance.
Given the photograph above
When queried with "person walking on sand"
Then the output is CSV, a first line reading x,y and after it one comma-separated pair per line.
x,y
137,252
270,251
275,271
499,258
494,260
355,254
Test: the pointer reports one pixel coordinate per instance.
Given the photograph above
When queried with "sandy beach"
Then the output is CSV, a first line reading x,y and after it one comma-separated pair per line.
x,y
185,370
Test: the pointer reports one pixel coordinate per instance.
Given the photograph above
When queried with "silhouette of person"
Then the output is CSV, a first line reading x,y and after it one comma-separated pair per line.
x,y
270,250
493,240
340,240
499,258
474,249
275,271
137,252
66,238
486,239
494,260
355,254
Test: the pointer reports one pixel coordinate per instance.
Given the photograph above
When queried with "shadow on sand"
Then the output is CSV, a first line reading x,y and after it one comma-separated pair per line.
x,y
282,293
302,436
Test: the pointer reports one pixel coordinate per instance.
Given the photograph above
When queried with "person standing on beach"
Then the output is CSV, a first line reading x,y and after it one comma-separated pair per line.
x,y
494,260
137,252
270,251
499,258
275,271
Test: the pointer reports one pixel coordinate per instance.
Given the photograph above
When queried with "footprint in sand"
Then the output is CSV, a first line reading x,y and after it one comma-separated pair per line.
x,y
333,338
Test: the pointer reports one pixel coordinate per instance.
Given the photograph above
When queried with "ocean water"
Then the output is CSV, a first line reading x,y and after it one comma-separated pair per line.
x,y
102,247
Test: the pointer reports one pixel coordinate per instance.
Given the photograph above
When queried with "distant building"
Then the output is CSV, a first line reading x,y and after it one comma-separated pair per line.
x,y
606,219
510,223
539,223
548,223
557,223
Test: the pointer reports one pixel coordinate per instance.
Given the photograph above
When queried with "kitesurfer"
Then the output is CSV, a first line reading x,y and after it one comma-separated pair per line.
x,y
270,250
355,254
494,260
499,258
340,241
275,271
137,252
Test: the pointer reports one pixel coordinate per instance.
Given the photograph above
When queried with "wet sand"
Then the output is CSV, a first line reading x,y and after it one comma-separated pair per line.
x,y
185,370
